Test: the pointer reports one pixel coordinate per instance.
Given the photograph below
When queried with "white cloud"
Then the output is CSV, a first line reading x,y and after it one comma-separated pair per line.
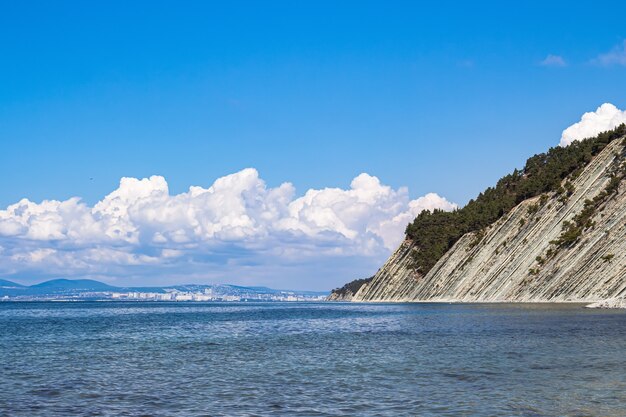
x,y
617,56
553,61
606,117
220,232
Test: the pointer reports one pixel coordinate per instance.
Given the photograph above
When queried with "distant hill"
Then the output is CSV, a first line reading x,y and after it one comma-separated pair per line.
x,y
83,287
267,290
54,287
12,289
74,284
10,284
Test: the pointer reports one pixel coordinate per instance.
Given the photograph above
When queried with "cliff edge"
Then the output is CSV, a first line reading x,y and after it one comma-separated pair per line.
x,y
565,245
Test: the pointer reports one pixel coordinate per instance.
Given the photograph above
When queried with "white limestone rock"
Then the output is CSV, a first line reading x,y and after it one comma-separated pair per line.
x,y
612,303
504,265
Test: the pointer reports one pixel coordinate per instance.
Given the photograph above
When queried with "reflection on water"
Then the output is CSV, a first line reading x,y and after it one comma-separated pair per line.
x,y
326,359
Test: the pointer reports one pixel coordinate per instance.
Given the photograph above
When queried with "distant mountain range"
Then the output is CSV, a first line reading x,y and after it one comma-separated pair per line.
x,y
5,283
55,286
89,287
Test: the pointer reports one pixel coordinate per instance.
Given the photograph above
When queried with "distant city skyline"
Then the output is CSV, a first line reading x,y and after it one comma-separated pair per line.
x,y
278,144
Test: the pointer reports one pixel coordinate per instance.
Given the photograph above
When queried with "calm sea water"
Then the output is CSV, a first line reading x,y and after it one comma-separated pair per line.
x,y
326,359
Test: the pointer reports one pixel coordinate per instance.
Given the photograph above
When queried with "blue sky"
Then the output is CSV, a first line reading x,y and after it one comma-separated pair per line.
x,y
435,96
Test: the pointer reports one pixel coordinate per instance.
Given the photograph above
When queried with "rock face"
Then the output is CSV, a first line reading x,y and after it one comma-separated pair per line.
x,y
514,259
346,293
336,296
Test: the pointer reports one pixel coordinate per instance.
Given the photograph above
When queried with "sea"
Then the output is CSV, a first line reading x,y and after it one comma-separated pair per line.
x,y
310,359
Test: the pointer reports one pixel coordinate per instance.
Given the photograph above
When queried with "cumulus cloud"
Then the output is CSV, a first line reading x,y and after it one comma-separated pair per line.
x,y
617,56
606,117
553,61
219,232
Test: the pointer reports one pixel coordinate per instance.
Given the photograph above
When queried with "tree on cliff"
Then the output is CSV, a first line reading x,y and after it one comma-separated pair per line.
x,y
434,233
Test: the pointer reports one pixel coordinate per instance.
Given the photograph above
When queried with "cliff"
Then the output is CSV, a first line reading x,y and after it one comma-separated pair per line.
x,y
346,293
552,247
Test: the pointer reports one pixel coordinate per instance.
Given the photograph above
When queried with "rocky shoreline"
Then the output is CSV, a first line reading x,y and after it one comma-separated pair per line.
x,y
609,304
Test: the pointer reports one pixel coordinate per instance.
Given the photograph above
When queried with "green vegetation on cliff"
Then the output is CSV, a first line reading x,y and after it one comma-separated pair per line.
x,y
572,231
351,287
434,233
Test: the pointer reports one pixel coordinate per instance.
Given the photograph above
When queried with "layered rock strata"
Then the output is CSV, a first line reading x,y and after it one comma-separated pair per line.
x,y
514,260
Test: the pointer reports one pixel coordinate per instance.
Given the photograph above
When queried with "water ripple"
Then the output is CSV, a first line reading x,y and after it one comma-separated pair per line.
x,y
326,359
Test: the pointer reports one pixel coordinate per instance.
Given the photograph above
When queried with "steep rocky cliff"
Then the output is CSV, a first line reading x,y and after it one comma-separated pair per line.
x,y
552,247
